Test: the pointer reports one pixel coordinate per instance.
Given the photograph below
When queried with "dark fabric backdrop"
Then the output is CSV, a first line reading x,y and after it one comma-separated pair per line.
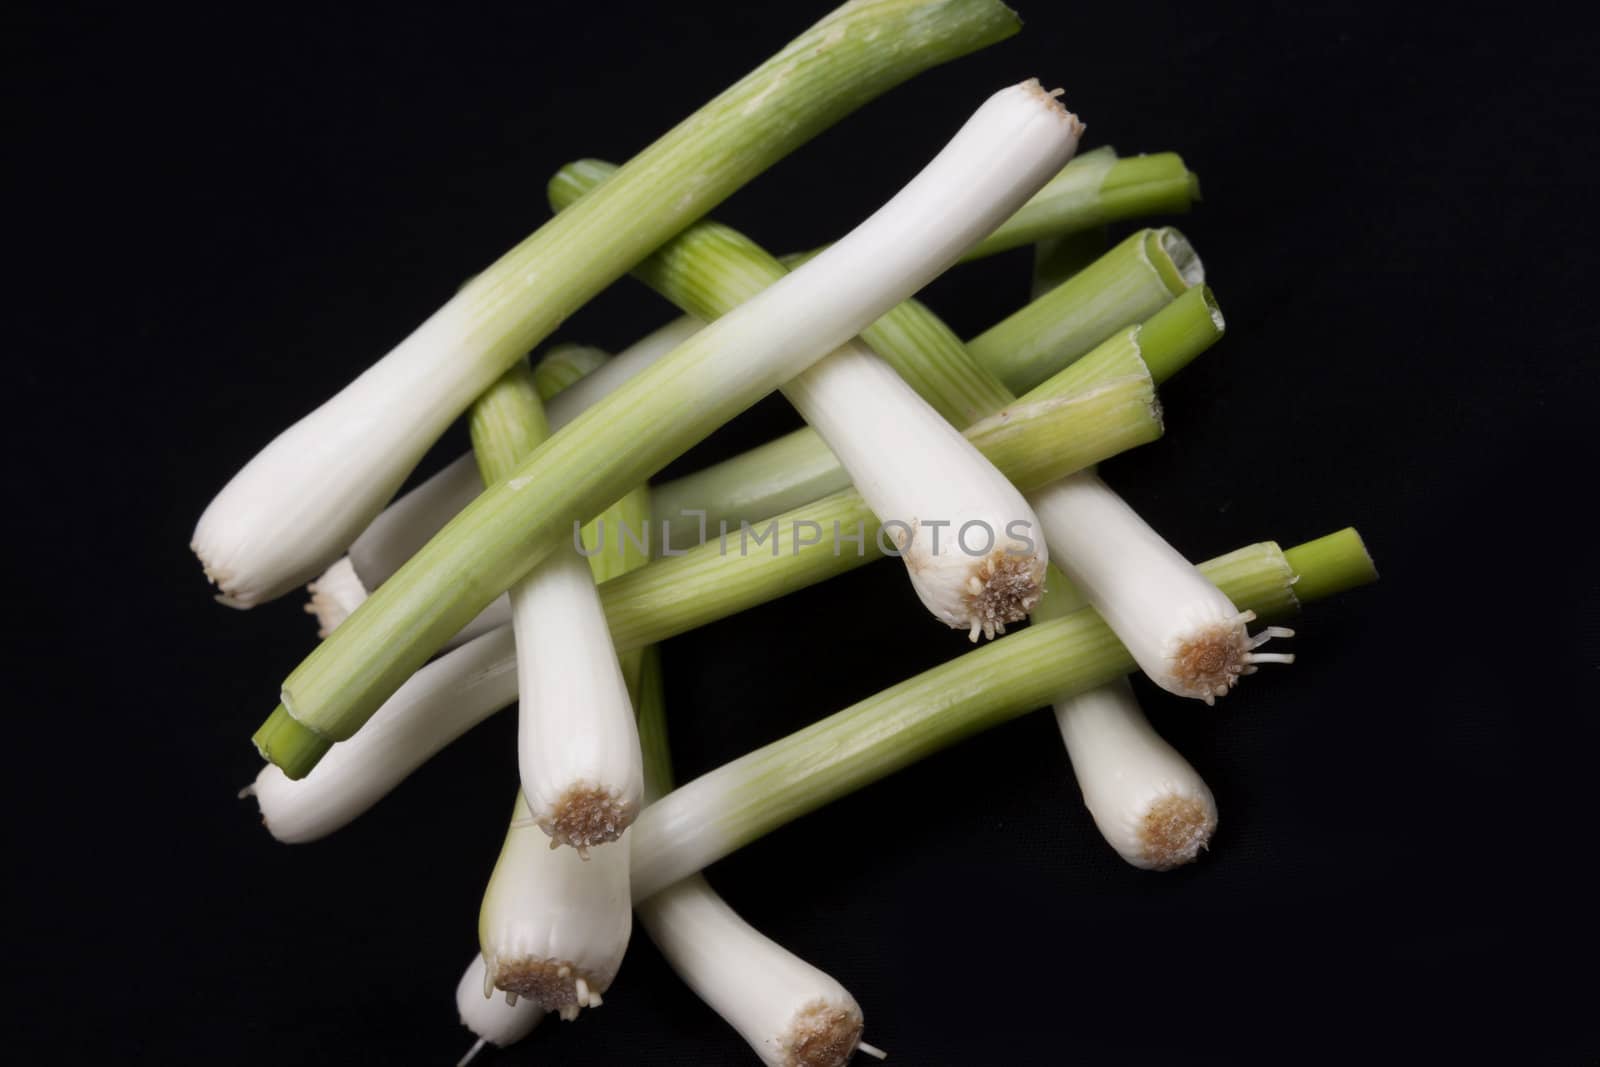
x,y
226,212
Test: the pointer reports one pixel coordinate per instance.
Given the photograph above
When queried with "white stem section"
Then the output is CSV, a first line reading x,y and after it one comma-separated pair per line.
x,y
577,745
1180,628
969,540
436,705
491,1019
791,1013
273,528
407,524
1150,804
1015,142
554,926
592,388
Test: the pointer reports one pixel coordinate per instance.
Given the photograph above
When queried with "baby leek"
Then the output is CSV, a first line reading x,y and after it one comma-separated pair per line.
x,y
1125,286
720,811
1096,408
577,746
492,1021
910,465
1012,144
555,922
1147,801
302,500
570,379
791,1013
733,805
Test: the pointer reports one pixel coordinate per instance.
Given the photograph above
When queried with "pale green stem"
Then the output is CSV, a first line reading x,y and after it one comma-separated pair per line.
x,y
290,512
994,161
1093,195
1042,437
709,269
785,473
1056,259
565,365
507,422
727,808
1128,284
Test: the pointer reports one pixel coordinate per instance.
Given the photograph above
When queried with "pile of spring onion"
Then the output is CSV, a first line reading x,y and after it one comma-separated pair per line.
x,y
545,568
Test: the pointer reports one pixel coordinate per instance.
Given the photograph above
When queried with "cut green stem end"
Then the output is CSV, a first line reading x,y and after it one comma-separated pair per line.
x,y
725,809
1331,565
290,745
1171,338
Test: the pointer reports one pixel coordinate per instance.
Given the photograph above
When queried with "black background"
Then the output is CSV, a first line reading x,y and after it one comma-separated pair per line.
x,y
227,212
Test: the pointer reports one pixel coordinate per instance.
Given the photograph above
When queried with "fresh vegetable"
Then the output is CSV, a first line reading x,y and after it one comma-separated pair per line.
x,y
720,811
789,1011
303,499
1011,146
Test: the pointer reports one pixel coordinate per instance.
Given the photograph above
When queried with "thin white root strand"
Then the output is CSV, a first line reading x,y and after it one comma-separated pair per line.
x,y
472,1052
861,1046
1268,634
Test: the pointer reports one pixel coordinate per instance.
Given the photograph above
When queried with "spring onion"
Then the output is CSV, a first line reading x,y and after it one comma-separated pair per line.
x,y
1057,259
727,808
570,378
1012,144
1097,407
555,921
300,502
577,746
554,924
791,1013
492,1020
1127,285
1184,632
438,704
711,816
912,468
719,812
1101,189
1148,802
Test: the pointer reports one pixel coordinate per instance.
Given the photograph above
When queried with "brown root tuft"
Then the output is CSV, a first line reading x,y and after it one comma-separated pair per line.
x,y
1174,831
823,1035
551,984
587,816
1004,588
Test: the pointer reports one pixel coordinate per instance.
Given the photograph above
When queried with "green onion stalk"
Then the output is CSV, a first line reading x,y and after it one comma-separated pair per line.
x,y
1004,153
577,746
1126,286
704,820
708,818
1094,409
1187,637
789,1011
555,922
300,502
912,467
